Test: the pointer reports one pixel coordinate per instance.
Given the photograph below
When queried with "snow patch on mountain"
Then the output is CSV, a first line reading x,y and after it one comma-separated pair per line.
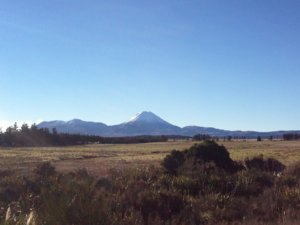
x,y
146,117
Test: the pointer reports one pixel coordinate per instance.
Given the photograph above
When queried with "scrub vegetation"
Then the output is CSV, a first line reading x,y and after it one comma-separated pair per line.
x,y
199,184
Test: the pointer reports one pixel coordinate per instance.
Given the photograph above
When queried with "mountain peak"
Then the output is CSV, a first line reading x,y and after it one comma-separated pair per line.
x,y
74,121
145,116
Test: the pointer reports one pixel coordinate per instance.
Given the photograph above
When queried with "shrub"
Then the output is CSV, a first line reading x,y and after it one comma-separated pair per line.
x,y
256,162
163,204
210,151
274,165
103,182
269,165
172,162
265,180
246,184
289,181
235,210
295,170
44,170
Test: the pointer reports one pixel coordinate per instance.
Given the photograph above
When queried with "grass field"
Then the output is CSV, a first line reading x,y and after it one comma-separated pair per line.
x,y
96,158
262,193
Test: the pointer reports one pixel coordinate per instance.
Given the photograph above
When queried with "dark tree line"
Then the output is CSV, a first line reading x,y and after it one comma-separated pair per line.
x,y
177,137
34,136
203,137
290,137
239,137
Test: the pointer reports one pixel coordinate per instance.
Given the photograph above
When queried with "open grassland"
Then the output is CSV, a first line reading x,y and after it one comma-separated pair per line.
x,y
182,190
287,152
96,157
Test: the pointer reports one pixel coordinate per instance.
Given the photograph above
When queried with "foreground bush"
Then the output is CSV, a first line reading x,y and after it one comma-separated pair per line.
x,y
177,193
202,153
269,165
172,162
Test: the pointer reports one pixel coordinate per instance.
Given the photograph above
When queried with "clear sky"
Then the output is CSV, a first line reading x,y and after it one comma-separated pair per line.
x,y
226,64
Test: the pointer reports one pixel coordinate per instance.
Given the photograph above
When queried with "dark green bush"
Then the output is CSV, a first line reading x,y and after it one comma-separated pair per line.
x,y
274,165
172,162
209,151
256,162
269,165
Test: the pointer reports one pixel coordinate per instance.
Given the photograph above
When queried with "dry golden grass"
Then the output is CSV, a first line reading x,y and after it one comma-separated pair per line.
x,y
95,157
98,157
286,152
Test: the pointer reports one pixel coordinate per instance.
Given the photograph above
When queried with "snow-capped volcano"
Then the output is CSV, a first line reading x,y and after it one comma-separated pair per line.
x,y
145,123
148,117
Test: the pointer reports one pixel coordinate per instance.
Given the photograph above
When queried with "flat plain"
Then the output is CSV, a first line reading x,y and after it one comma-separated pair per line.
x,y
97,158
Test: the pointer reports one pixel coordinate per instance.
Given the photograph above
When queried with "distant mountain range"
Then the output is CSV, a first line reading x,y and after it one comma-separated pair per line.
x,y
147,123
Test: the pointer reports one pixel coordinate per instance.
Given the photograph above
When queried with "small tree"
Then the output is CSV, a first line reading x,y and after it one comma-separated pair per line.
x,y
258,138
229,138
271,138
9,136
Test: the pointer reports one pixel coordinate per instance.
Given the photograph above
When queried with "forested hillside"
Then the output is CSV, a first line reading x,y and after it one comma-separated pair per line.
x,y
34,136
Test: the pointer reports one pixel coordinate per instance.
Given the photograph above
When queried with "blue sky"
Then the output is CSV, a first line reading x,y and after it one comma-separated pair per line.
x,y
226,64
